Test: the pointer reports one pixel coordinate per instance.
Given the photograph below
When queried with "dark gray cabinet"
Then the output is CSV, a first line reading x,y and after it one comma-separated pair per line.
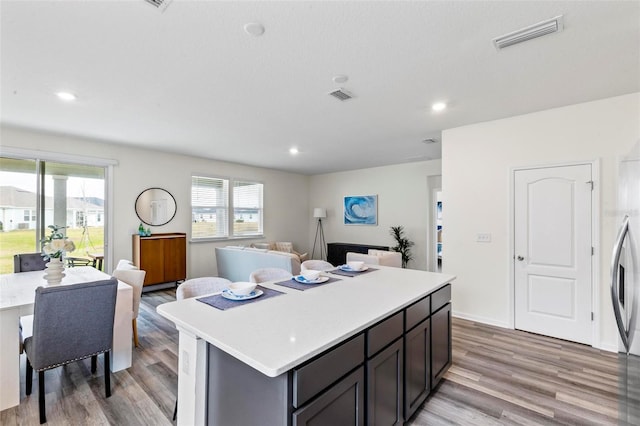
x,y
440,343
417,368
380,376
342,404
385,386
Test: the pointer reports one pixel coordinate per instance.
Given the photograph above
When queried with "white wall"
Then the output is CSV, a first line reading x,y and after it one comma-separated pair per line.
x,y
402,200
476,169
285,194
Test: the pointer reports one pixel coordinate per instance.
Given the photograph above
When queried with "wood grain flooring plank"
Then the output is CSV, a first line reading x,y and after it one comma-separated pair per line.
x,y
498,377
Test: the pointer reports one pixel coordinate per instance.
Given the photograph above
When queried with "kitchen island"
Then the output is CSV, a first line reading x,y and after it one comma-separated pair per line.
x,y
323,354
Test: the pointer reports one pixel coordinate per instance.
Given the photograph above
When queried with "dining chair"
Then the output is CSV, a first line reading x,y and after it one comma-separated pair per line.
x,y
70,323
269,274
135,278
316,265
25,262
201,286
383,258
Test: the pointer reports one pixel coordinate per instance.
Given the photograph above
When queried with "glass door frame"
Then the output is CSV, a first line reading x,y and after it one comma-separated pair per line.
x,y
46,156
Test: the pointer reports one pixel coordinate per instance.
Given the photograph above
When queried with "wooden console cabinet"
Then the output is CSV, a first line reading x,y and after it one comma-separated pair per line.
x,y
163,256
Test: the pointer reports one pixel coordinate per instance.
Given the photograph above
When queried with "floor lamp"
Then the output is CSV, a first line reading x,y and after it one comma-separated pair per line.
x,y
319,213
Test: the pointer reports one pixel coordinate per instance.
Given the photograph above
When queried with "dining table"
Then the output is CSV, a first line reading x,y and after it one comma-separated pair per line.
x,y
17,296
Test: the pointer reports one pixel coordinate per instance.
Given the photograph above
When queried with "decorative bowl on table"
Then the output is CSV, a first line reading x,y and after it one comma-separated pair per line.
x,y
311,274
242,288
355,265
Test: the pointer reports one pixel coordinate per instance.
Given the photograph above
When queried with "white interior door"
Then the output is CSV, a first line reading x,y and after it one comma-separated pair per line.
x,y
553,255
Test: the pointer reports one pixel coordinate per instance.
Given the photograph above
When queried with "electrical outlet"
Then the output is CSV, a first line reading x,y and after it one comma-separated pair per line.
x,y
483,238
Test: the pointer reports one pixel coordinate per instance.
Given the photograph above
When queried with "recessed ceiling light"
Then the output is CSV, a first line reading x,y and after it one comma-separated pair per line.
x,y
253,28
293,151
66,96
439,106
340,78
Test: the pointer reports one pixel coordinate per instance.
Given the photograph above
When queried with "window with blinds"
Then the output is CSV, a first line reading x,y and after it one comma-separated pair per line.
x,y
218,212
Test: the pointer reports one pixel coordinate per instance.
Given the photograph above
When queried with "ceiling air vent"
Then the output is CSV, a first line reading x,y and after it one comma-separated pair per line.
x,y
160,4
553,25
341,94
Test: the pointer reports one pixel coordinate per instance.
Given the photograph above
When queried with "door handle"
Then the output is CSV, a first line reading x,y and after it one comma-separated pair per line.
x,y
520,258
615,262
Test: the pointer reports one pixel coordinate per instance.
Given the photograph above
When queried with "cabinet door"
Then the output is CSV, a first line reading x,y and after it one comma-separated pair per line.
x,y
152,260
174,259
342,404
385,386
417,363
440,343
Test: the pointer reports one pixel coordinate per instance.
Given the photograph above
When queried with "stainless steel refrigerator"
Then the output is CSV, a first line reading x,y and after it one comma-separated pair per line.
x,y
625,286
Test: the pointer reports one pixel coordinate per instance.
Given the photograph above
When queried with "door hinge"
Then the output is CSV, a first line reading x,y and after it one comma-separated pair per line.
x,y
593,251
590,182
591,316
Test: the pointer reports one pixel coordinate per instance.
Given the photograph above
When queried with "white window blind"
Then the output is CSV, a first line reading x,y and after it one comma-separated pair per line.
x,y
247,208
209,207
220,213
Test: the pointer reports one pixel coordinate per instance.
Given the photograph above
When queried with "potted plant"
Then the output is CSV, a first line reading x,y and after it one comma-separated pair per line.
x,y
403,244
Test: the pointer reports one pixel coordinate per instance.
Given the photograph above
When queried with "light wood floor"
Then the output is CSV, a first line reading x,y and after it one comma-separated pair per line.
x,y
498,377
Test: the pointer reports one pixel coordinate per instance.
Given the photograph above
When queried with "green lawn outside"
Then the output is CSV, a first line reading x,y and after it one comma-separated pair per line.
x,y
23,241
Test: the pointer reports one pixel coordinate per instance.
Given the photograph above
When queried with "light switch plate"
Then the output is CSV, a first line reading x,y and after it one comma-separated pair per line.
x,y
483,238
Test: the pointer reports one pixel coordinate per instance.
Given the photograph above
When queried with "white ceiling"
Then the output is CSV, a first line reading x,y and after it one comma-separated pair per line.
x,y
190,80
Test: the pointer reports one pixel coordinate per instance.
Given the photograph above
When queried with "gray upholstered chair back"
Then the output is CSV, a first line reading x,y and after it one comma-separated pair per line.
x,y
25,262
71,322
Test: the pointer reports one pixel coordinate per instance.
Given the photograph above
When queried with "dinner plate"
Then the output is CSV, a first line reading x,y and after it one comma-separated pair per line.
x,y
346,268
228,295
303,280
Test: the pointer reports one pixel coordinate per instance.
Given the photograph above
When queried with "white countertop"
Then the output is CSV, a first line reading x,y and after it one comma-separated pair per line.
x,y
279,333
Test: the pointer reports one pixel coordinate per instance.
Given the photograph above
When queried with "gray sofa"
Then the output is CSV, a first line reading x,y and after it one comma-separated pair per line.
x,y
237,263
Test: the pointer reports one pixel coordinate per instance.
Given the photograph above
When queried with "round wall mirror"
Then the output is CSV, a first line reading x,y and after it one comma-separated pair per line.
x,y
155,206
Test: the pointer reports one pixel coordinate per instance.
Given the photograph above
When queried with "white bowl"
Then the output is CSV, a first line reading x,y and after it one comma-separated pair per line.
x,y
242,288
310,274
355,265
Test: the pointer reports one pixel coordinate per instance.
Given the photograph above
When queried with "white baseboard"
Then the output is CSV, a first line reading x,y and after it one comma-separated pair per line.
x,y
607,347
604,347
483,320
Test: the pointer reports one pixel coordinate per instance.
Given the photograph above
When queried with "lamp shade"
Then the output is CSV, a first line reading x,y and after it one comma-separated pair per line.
x,y
319,212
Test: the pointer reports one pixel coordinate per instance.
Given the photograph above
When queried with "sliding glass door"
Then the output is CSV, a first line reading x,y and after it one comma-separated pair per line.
x,y
35,194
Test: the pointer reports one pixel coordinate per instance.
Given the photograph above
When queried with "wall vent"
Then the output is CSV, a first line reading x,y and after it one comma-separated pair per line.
x,y
161,5
550,26
341,94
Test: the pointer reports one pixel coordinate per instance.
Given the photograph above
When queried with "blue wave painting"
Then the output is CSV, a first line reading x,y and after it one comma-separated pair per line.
x,y
361,210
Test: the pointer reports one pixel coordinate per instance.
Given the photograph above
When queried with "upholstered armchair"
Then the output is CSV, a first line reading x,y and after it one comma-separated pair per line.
x,y
287,247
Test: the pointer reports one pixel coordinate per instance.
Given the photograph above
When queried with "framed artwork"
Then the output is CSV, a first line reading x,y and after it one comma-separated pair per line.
x,y
361,210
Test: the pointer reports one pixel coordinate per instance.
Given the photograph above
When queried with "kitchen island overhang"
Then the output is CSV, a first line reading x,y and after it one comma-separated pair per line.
x,y
277,335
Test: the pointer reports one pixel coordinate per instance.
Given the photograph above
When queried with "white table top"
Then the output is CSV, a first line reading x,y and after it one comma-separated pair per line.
x,y
17,290
279,333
